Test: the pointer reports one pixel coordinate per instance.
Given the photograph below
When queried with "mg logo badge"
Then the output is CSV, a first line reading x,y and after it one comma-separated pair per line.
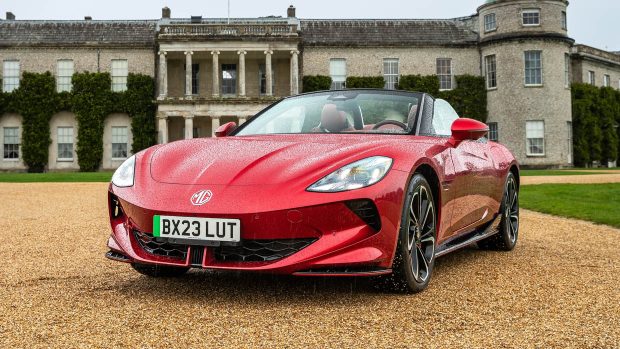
x,y
202,197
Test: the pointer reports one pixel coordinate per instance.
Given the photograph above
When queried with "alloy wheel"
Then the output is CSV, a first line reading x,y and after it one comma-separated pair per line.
x,y
421,234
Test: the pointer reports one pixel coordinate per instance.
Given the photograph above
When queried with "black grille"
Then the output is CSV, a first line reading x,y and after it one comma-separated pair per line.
x,y
367,211
261,250
196,254
150,245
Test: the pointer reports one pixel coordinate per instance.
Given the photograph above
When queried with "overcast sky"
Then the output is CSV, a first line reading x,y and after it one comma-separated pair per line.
x,y
591,22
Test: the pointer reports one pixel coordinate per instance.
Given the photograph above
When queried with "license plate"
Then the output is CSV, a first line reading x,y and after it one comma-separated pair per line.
x,y
197,229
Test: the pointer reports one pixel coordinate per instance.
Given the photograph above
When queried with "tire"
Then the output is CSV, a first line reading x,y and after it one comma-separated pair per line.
x,y
506,238
415,251
155,270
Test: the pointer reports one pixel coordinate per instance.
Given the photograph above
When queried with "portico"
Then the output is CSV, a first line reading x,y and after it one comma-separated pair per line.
x,y
211,73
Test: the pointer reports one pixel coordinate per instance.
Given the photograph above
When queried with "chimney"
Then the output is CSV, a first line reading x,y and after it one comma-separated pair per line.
x,y
165,12
10,16
290,11
88,18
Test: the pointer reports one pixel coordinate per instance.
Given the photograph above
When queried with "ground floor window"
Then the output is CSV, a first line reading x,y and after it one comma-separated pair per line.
x,y
444,73
607,81
591,78
65,143
262,77
11,143
338,73
119,142
569,129
229,79
390,73
535,134
493,136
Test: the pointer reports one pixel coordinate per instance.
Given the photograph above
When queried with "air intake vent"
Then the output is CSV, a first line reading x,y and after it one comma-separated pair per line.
x,y
261,250
367,211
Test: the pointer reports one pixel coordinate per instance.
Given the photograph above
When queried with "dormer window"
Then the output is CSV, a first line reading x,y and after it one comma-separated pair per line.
x,y
531,17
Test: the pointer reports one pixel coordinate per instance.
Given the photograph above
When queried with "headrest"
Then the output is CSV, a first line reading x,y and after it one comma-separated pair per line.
x,y
332,119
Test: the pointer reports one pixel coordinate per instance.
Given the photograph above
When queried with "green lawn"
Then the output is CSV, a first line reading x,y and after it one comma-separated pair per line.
x,y
56,177
599,203
576,172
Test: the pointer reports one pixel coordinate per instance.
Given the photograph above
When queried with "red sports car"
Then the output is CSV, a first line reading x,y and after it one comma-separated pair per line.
x,y
338,183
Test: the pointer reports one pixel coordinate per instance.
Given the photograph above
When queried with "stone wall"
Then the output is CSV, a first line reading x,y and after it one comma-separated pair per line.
x,y
369,61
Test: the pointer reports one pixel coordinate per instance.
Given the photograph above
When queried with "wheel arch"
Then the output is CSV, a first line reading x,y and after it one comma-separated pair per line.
x,y
514,169
430,174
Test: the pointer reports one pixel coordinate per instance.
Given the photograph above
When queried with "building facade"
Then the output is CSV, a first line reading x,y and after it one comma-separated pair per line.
x,y
213,71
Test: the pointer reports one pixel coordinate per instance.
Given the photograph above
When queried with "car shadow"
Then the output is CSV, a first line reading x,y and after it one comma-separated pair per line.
x,y
227,286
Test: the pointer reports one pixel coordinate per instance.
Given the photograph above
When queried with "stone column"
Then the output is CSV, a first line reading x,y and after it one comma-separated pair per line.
x,y
294,72
188,74
268,73
215,123
189,126
216,73
241,73
163,75
162,121
242,120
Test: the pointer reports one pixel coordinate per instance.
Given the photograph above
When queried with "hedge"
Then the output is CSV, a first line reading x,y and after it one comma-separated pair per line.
x,y
365,82
596,113
313,83
36,101
91,100
469,97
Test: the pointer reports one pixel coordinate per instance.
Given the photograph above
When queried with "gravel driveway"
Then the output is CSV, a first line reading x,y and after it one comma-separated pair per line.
x,y
560,288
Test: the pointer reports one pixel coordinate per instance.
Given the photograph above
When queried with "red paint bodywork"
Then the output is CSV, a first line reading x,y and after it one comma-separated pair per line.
x,y
262,181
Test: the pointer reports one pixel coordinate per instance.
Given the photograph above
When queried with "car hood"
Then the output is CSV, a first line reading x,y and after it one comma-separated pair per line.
x,y
259,159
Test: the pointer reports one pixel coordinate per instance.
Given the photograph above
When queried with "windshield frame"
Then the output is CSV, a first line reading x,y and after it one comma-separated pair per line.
x,y
412,131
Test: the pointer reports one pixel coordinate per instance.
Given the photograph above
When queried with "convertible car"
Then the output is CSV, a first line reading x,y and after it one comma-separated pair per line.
x,y
339,183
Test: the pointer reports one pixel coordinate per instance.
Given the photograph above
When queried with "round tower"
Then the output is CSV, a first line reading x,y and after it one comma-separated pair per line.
x,y
525,49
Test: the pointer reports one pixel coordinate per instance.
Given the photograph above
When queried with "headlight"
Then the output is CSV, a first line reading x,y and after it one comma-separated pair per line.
x,y
123,177
357,175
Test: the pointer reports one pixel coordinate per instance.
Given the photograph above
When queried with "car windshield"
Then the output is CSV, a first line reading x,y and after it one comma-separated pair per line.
x,y
347,111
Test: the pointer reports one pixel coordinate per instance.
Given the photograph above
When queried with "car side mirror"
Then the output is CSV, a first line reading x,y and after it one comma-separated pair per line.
x,y
467,129
225,129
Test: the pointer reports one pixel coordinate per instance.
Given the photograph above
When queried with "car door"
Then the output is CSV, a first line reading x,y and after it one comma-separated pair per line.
x,y
473,171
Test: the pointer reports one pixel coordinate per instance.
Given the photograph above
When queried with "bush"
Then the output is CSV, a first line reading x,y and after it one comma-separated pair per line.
x,y
36,101
365,82
92,101
313,83
138,103
469,98
418,83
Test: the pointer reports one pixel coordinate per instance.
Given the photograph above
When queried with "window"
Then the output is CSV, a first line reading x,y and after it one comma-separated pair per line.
x,y
444,73
591,78
493,135
490,64
443,117
262,75
119,142
338,72
567,70
569,128
490,23
65,143
229,79
10,76
564,21
195,77
535,134
533,68
606,81
531,17
119,75
11,143
390,73
63,75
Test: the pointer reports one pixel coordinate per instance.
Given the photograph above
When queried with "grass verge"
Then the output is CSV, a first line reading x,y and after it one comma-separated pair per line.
x,y
599,203
527,173
56,177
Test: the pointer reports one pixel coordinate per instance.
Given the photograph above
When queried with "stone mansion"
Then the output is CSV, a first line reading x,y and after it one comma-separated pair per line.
x,y
210,71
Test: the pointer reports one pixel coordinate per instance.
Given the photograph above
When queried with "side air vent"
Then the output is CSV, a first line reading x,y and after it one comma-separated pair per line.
x,y
367,211
116,210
